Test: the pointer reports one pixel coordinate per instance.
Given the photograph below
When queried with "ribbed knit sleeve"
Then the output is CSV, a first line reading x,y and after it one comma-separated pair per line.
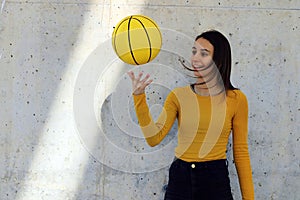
x,y
155,132
240,147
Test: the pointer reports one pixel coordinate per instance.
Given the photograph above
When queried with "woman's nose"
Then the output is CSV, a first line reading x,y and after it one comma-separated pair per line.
x,y
196,57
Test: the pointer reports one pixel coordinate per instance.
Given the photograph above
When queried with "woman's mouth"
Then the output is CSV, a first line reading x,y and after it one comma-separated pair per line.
x,y
200,67
197,67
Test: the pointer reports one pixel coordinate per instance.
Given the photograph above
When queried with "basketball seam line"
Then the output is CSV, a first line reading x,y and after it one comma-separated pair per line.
x,y
130,48
147,38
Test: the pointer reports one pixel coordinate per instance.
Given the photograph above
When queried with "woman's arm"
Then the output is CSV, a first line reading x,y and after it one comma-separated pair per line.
x,y
240,148
153,132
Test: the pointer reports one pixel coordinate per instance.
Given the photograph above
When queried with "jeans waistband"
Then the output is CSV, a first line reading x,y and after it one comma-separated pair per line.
x,y
206,164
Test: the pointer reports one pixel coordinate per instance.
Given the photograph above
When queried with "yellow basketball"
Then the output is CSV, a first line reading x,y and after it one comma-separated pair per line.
x,y
136,39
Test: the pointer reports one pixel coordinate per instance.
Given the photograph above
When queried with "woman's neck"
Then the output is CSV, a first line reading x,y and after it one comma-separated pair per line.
x,y
211,88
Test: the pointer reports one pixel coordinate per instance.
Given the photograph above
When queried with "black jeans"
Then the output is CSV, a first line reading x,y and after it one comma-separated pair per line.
x,y
198,181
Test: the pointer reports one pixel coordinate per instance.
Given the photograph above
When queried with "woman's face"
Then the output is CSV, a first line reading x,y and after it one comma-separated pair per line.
x,y
201,60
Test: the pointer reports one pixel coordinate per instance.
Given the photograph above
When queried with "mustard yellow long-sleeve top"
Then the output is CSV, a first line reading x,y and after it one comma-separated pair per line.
x,y
204,126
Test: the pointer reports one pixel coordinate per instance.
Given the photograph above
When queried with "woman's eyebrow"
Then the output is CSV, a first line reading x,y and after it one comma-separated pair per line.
x,y
205,50
194,48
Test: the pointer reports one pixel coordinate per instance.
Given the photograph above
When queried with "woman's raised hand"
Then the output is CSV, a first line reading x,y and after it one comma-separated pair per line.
x,y
138,85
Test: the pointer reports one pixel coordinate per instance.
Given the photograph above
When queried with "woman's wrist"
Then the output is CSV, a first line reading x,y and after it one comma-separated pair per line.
x,y
137,94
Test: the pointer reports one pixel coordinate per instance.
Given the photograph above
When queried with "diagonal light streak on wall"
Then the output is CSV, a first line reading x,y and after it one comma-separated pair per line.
x,y
59,149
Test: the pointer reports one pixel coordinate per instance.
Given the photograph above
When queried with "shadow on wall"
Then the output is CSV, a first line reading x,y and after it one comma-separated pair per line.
x,y
118,152
118,166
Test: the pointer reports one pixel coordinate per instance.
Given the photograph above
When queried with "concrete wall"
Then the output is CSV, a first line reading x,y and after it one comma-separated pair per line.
x,y
68,130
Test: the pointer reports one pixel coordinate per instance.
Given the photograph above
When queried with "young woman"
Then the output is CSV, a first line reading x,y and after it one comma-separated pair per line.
x,y
207,112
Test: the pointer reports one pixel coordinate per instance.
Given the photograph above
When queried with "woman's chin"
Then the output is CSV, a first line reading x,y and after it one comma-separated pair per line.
x,y
198,75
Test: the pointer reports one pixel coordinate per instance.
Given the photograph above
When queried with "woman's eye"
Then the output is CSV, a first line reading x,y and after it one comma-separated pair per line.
x,y
203,54
194,52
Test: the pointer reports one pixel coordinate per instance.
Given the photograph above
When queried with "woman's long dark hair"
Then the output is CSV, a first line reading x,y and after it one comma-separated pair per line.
x,y
221,56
